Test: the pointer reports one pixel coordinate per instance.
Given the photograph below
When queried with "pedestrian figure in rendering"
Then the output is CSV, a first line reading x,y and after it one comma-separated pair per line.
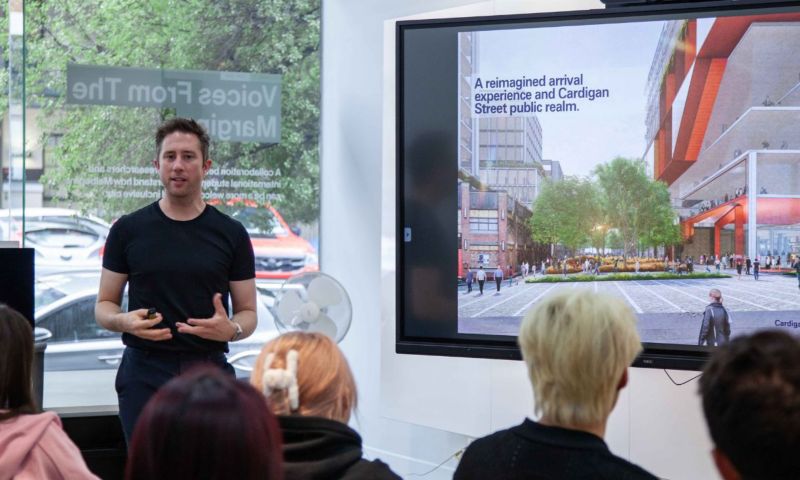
x,y
739,267
716,327
747,264
636,265
564,268
716,263
510,275
470,277
498,277
756,267
481,277
796,266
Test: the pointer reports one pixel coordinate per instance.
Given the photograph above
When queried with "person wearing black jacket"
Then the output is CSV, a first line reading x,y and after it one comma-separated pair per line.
x,y
309,386
796,266
577,346
716,327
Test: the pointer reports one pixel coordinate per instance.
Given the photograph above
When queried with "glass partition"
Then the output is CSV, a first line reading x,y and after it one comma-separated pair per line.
x,y
99,77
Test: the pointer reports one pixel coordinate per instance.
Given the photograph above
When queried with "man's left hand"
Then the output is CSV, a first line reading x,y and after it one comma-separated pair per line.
x,y
219,327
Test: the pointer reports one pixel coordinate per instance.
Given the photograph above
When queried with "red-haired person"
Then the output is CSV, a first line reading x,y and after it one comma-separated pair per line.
x,y
32,444
205,424
309,385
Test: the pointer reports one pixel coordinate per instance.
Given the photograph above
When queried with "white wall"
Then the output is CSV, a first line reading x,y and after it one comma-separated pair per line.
x,y
416,411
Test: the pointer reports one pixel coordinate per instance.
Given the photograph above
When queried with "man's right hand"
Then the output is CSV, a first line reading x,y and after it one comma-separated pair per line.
x,y
137,323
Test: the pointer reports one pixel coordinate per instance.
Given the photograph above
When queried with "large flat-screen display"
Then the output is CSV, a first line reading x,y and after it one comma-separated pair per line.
x,y
651,153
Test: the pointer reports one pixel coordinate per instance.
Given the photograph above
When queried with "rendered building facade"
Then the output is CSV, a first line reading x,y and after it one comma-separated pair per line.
x,y
723,130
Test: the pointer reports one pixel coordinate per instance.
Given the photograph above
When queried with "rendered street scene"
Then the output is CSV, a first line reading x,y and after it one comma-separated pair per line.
x,y
691,164
669,311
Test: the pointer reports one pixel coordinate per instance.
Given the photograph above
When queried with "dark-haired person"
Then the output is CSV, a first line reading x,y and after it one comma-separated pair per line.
x,y
206,424
751,401
309,385
577,346
32,444
183,258
716,326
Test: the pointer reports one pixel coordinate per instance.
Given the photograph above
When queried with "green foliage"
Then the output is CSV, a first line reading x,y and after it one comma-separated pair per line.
x,y
4,57
638,207
622,277
659,225
265,36
614,240
565,212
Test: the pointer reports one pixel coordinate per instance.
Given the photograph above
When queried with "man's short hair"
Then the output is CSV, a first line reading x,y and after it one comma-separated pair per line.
x,y
577,344
751,400
185,125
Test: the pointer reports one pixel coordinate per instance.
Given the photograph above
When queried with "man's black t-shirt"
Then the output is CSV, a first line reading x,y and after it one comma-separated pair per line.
x,y
177,267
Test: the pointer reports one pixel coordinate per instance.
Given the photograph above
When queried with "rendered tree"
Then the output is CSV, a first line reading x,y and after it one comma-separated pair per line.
x,y
614,240
275,36
635,205
660,227
565,212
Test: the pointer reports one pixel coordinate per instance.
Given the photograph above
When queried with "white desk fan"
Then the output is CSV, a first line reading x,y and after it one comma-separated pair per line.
x,y
313,302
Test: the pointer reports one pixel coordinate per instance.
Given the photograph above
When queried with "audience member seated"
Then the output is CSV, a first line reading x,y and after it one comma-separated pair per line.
x,y
751,400
32,444
205,424
309,385
577,346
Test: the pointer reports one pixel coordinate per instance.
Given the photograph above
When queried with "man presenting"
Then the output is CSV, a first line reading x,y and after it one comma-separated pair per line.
x,y
181,259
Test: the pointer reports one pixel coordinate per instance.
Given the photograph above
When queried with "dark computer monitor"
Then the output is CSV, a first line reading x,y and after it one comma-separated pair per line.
x,y
512,130
16,280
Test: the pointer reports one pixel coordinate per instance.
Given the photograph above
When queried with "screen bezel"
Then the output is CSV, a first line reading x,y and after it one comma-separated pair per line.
x,y
654,355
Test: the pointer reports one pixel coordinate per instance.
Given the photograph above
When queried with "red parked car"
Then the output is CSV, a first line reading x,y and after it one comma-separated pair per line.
x,y
280,252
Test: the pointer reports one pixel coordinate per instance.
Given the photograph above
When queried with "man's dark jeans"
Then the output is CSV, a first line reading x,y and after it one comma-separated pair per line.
x,y
142,372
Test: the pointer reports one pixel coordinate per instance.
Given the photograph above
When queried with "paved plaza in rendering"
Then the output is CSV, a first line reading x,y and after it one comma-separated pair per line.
x,y
669,311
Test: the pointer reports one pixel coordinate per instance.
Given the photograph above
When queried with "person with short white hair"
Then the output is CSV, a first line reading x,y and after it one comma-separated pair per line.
x,y
577,346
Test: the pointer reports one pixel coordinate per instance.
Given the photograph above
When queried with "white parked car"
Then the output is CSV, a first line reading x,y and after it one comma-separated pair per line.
x,y
65,309
62,239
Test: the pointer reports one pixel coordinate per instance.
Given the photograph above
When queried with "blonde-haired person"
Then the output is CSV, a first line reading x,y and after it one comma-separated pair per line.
x,y
309,386
577,346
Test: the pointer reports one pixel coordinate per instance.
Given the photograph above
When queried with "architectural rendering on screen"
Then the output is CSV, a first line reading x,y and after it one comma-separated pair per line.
x,y
655,161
